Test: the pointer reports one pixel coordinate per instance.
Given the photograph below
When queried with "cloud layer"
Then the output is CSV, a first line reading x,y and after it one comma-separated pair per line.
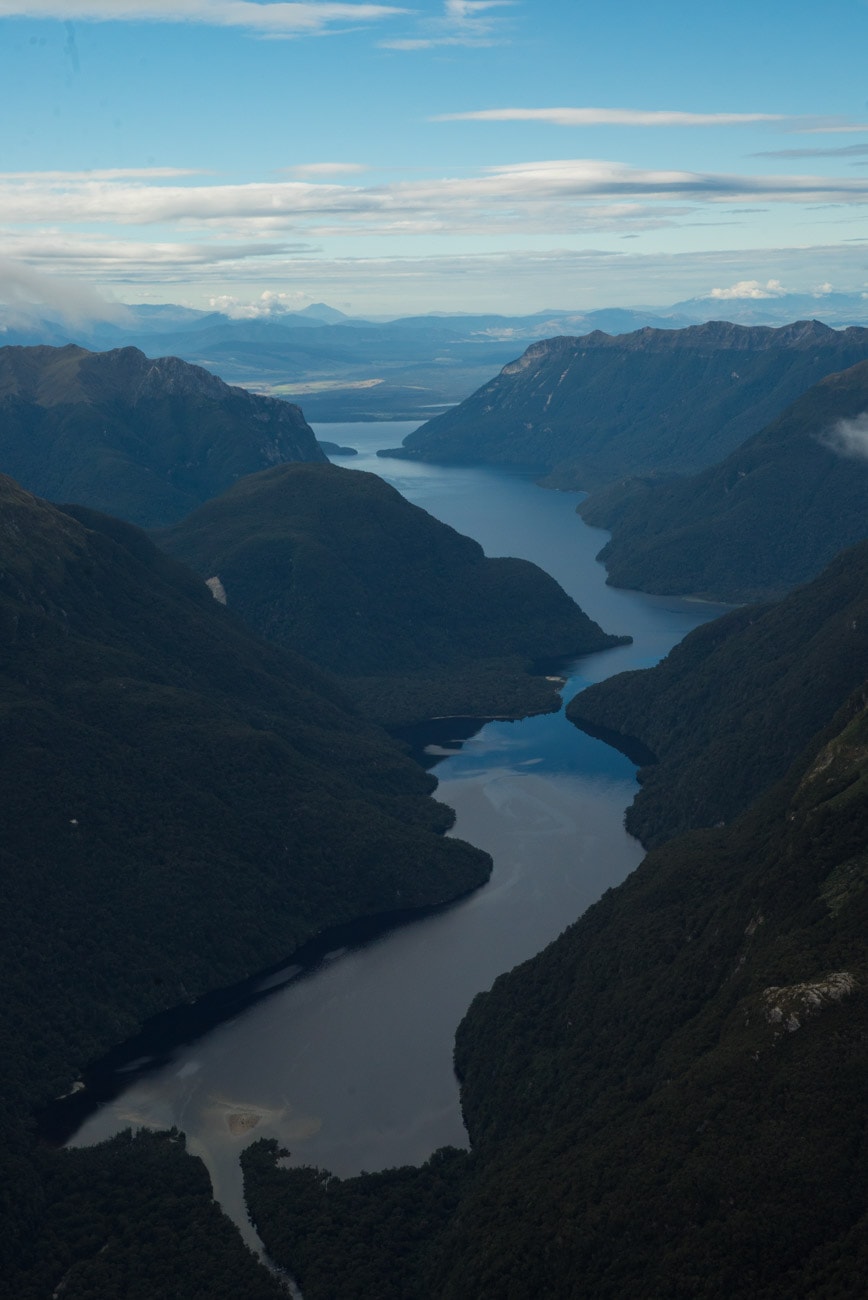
x,y
849,437
608,117
287,19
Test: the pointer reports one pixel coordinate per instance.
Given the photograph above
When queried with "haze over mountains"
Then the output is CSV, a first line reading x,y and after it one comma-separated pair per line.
x,y
345,367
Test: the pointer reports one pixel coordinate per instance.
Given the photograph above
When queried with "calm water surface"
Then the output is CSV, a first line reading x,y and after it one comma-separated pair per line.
x,y
349,1064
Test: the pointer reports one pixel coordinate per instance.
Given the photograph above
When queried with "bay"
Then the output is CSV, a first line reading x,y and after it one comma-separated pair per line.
x,y
348,1060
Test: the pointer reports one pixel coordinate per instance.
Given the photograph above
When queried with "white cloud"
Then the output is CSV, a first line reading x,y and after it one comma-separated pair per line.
x,y
270,303
325,169
849,437
286,19
23,289
608,117
507,196
750,289
103,174
463,22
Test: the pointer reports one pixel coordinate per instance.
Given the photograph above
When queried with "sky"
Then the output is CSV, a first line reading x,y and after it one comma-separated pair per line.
x,y
256,156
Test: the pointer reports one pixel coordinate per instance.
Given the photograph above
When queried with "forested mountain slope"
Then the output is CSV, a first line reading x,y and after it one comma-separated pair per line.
x,y
145,440
770,516
183,805
336,564
668,1101
728,707
589,411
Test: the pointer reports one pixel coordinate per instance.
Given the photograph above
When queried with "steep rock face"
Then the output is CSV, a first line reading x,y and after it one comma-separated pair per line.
x,y
147,440
728,707
591,410
410,614
767,518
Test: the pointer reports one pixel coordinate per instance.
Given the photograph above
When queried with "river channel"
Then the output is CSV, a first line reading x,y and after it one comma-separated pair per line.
x,y
348,1059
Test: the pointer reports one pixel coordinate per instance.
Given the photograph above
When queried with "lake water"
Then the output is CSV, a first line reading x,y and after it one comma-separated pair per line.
x,y
348,1061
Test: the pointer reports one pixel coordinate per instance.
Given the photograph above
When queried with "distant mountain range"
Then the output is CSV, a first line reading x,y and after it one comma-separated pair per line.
x,y
591,410
145,440
345,367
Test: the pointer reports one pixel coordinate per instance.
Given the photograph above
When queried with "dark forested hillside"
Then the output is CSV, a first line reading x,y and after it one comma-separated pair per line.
x,y
589,411
337,565
770,516
183,805
668,1101
727,709
145,440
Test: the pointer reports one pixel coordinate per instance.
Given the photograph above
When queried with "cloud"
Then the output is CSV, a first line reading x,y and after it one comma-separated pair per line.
x,y
842,151
849,437
270,303
23,289
463,22
565,192
325,169
607,117
269,19
103,174
750,289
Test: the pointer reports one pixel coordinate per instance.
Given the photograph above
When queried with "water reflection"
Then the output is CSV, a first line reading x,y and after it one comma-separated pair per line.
x,y
350,1065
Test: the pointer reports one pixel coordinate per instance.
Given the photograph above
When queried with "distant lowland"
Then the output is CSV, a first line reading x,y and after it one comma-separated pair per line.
x,y
344,368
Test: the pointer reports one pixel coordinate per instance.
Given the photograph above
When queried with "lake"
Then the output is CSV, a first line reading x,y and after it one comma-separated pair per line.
x,y
348,1059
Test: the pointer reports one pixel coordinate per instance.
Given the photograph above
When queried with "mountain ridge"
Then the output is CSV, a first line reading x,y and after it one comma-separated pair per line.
x,y
588,411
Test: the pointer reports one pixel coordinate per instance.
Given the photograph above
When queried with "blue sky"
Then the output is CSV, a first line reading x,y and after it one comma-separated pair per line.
x,y
442,155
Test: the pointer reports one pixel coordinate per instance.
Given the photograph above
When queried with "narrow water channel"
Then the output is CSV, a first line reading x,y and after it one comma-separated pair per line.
x,y
348,1062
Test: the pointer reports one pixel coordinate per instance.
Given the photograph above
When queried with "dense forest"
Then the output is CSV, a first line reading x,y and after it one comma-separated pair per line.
x,y
413,618
771,515
184,805
728,708
668,1101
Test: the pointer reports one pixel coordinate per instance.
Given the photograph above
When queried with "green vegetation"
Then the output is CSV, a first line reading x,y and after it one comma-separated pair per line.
x,y
589,411
183,805
412,617
728,708
768,517
145,440
668,1101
